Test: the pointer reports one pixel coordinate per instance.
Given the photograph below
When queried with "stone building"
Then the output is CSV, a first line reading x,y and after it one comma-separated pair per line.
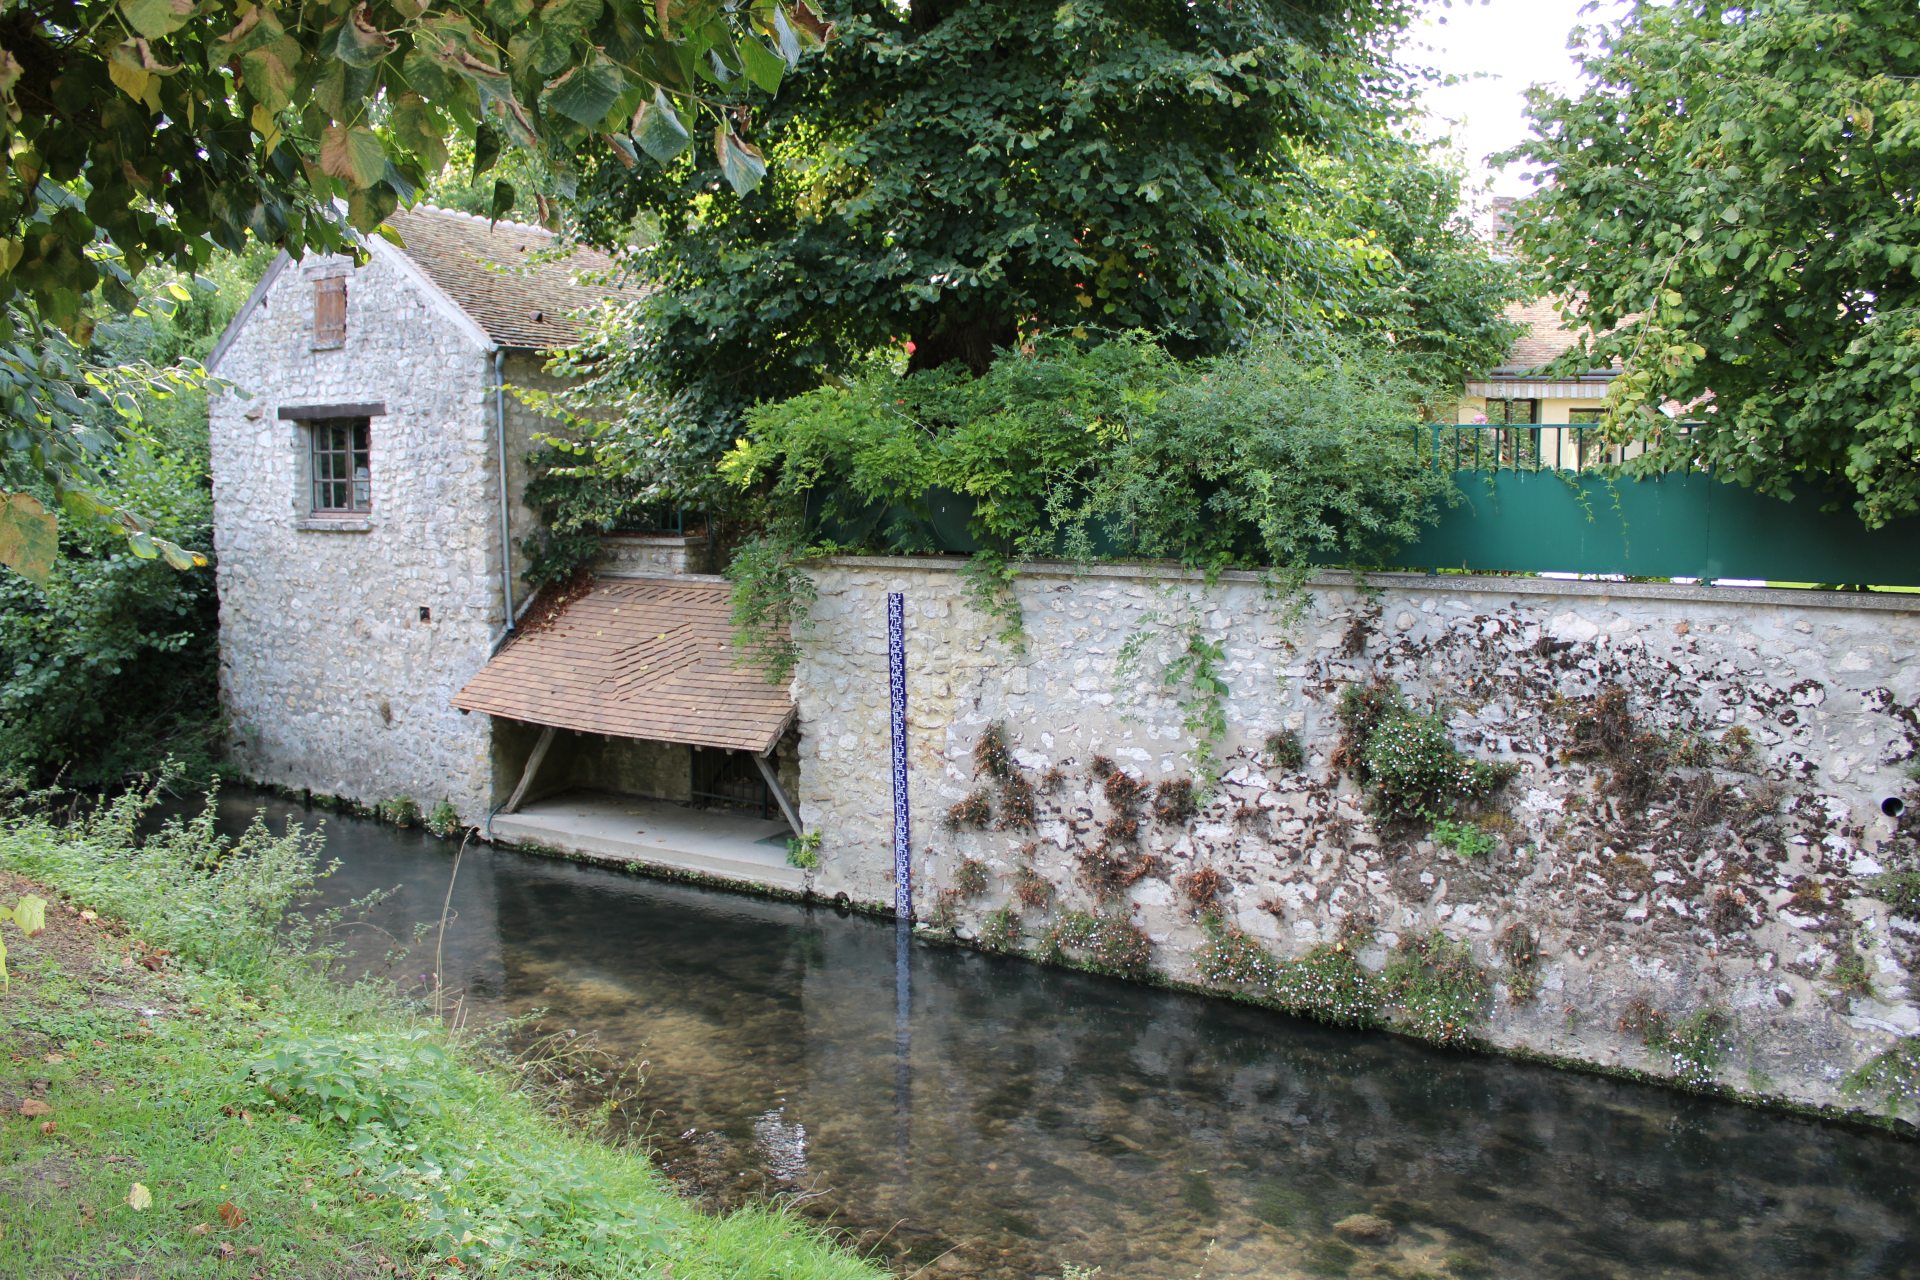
x,y
370,463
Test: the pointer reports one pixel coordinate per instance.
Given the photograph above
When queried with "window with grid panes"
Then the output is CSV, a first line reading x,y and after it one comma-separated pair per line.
x,y
340,466
1513,413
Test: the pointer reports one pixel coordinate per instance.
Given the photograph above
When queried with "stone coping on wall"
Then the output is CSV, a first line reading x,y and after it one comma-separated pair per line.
x,y
1447,584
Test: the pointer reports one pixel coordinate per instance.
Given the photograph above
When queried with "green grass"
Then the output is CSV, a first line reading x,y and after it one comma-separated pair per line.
x,y
162,1079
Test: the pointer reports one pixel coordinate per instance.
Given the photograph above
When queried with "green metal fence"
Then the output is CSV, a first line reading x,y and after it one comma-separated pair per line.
x,y
1531,503
1545,499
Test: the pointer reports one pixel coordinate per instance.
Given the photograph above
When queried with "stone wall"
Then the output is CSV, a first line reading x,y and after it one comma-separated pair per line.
x,y
1681,873
342,640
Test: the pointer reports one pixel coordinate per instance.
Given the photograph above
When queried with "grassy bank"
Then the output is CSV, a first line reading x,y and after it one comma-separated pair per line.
x,y
186,1091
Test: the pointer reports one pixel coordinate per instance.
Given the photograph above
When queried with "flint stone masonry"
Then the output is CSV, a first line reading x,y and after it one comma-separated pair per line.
x,y
1739,885
331,678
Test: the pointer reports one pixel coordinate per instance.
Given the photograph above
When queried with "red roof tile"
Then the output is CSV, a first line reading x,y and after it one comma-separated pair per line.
x,y
636,658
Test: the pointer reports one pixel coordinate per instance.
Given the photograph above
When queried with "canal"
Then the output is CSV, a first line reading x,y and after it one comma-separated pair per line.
x,y
981,1116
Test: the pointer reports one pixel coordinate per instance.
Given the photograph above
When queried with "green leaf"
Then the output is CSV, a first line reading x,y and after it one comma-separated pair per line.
x,y
502,202
360,43
764,66
577,14
353,154
30,913
141,544
586,93
156,18
741,162
29,536
658,130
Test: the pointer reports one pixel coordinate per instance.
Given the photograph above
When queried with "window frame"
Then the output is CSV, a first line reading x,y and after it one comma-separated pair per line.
x,y
340,464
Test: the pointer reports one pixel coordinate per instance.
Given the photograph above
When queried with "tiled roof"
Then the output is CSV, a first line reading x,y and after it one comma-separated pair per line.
x,y
1545,340
635,658
500,276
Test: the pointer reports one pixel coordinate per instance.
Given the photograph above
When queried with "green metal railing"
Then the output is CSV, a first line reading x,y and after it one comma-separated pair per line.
x,y
1545,499
1549,446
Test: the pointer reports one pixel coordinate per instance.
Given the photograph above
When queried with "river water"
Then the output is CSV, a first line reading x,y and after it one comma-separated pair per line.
x,y
980,1116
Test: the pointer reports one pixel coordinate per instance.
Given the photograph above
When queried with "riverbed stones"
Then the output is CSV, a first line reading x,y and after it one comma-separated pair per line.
x,y
1364,1228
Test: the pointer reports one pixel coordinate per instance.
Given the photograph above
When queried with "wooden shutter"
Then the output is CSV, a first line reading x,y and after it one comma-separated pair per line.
x,y
330,312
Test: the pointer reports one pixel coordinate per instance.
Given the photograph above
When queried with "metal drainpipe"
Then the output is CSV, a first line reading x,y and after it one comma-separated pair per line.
x,y
506,532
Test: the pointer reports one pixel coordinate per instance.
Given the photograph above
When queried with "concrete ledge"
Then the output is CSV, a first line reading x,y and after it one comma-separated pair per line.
x,y
707,843
1435,583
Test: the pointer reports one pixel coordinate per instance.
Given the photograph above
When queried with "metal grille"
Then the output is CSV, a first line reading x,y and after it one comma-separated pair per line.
x,y
729,780
341,465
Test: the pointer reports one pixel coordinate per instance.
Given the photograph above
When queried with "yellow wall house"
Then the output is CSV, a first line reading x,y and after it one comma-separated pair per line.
x,y
1517,394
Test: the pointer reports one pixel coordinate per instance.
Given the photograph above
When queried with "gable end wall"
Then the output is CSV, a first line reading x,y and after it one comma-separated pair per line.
x,y
329,676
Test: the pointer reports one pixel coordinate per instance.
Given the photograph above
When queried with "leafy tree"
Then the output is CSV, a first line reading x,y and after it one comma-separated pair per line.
x,y
950,178
144,132
1730,213
108,664
1435,289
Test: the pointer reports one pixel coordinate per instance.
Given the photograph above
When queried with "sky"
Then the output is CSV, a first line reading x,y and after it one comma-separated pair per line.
x,y
1505,45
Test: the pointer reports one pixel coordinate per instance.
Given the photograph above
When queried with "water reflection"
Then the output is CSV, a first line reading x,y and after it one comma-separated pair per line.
x,y
1021,1118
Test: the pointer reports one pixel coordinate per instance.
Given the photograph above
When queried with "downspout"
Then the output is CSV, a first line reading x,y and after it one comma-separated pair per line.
x,y
506,530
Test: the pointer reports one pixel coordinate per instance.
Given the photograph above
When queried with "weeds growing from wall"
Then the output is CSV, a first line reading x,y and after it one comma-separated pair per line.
x,y
1440,992
1191,674
988,582
1892,1076
443,820
1173,801
971,814
1327,984
1284,752
1411,769
803,851
970,878
1695,1045
1031,889
401,811
1520,950
1099,943
1000,930
1605,733
1203,887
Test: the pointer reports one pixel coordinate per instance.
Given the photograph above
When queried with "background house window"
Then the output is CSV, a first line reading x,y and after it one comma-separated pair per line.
x,y
330,312
340,465
1513,412
1588,447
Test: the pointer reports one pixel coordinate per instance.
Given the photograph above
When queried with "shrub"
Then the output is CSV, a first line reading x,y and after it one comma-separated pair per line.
x,y
1414,770
353,1081
187,888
